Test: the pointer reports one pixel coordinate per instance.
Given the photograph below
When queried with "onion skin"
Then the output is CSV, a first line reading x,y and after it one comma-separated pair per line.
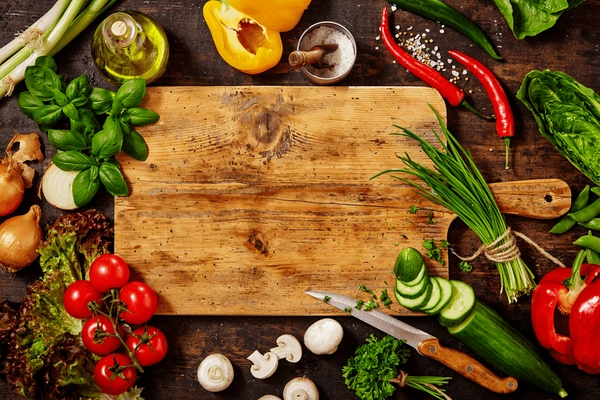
x,y
12,188
20,238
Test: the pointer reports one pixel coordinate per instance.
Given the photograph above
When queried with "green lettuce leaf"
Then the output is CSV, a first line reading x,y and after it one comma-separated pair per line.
x,y
568,115
531,17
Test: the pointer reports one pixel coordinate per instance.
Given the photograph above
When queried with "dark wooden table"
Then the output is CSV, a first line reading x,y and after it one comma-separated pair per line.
x,y
571,46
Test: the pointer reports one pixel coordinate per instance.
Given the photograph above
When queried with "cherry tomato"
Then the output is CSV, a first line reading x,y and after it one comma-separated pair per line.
x,y
140,301
109,272
77,296
149,345
102,345
114,374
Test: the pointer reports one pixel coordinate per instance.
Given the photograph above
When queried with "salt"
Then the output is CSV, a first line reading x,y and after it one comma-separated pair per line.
x,y
341,60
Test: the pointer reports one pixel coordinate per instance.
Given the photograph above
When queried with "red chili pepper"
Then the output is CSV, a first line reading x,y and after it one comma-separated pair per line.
x,y
579,297
505,122
453,94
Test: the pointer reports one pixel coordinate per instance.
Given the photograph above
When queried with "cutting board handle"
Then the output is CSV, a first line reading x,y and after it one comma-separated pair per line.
x,y
536,198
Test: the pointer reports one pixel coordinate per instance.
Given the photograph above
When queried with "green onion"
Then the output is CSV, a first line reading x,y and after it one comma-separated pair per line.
x,y
61,24
457,184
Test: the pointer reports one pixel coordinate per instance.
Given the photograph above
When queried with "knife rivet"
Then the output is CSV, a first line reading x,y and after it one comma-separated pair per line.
x,y
511,385
432,349
469,368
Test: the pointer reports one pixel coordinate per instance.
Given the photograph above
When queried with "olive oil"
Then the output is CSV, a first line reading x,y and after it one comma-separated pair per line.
x,y
129,45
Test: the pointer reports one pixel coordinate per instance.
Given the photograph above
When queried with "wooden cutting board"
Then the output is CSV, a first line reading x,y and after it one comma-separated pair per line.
x,y
252,195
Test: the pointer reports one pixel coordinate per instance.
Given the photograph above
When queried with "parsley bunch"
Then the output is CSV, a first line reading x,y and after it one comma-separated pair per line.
x,y
100,126
373,370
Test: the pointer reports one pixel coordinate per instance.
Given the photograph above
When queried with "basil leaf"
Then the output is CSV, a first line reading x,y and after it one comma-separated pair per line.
x,y
117,108
70,111
85,187
72,160
79,87
135,146
140,116
66,140
112,179
47,115
108,142
28,103
77,125
101,100
40,81
124,126
89,119
46,61
131,93
60,98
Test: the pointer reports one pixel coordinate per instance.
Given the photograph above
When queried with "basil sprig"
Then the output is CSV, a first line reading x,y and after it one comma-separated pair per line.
x,y
100,123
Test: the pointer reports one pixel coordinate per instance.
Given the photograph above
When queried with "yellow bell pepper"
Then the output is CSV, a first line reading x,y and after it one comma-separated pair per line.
x,y
243,43
279,15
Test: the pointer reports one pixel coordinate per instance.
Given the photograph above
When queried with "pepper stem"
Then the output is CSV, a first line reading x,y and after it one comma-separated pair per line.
x,y
507,142
575,284
469,107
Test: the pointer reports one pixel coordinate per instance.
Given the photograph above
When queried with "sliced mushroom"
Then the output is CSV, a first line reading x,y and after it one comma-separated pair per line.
x,y
264,365
289,348
300,389
215,373
324,336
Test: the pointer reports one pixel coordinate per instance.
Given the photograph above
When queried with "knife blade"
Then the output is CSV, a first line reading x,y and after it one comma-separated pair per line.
x,y
425,344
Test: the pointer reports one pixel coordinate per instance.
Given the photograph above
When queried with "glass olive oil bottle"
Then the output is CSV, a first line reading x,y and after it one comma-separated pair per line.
x,y
129,45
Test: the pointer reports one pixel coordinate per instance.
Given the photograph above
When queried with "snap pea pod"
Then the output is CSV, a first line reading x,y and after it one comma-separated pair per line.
x,y
588,212
593,224
439,11
592,256
588,242
566,222
596,191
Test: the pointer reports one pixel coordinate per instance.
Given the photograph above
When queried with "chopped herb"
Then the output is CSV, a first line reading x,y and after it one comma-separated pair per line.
x,y
359,304
371,304
385,298
414,209
444,244
326,299
433,252
396,244
374,369
385,282
465,266
405,237
430,220
363,288
348,310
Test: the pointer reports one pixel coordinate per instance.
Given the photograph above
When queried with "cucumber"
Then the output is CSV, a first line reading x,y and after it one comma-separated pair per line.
x,y
434,299
414,304
418,279
493,339
411,292
459,307
409,265
445,295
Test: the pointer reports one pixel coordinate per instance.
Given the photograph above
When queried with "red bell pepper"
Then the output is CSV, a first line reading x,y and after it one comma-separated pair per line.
x,y
576,293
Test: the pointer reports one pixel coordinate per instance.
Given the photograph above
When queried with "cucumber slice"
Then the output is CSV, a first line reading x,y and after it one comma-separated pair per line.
x,y
409,264
459,307
435,296
414,304
420,276
445,295
411,292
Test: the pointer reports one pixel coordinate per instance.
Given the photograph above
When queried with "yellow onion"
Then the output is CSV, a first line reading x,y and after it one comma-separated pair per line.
x,y
20,238
12,187
57,186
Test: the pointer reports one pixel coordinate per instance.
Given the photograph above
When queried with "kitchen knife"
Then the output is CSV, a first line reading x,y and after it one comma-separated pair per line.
x,y
424,343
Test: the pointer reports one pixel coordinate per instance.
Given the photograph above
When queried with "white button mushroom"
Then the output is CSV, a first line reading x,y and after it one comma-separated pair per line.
x,y
215,373
324,336
300,389
289,348
264,366
269,397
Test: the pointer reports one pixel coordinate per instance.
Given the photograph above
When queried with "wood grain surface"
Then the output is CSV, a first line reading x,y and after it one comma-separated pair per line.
x,y
275,182
572,46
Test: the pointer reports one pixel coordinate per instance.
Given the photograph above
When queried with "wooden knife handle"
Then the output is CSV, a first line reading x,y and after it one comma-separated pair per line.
x,y
536,198
467,366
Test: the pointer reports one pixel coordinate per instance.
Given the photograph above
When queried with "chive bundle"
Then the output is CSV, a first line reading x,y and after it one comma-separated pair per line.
x,y
457,184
